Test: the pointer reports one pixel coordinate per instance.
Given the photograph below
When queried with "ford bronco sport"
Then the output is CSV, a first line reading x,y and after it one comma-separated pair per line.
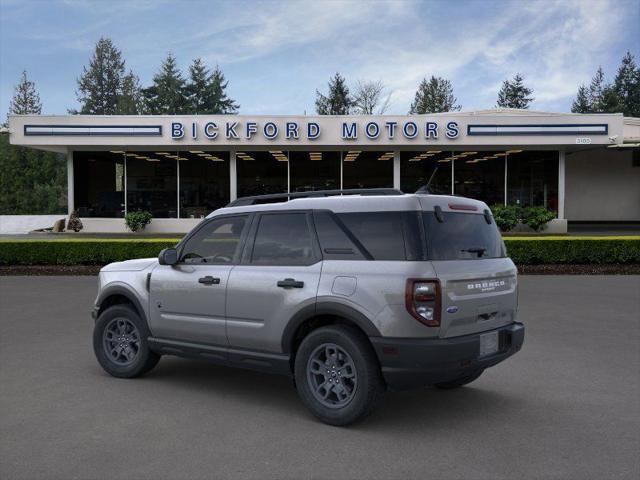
x,y
349,292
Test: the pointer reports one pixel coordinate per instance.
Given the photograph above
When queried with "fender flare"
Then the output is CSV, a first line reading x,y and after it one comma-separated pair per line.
x,y
119,289
326,308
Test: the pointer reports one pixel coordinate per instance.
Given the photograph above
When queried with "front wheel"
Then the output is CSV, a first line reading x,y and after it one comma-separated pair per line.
x,y
120,343
337,375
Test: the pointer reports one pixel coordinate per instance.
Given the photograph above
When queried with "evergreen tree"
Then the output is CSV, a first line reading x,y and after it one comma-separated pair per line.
x,y
627,86
25,98
581,104
514,94
206,91
338,100
31,181
596,92
99,86
130,100
167,95
433,96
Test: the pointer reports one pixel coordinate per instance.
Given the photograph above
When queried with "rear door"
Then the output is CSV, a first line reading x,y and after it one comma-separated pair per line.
x,y
279,275
187,300
478,282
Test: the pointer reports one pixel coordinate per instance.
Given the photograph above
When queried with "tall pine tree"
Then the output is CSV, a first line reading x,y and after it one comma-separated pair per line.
x,y
130,100
206,92
514,94
25,98
581,104
31,181
100,85
167,95
433,96
596,92
338,100
627,86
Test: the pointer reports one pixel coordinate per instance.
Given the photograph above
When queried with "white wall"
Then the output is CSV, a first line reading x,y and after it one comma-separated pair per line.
x,y
602,185
27,223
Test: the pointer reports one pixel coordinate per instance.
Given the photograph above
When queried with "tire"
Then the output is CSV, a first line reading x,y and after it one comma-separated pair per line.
x,y
459,382
358,381
132,357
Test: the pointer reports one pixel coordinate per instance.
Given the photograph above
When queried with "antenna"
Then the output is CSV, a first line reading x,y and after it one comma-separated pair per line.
x,y
425,188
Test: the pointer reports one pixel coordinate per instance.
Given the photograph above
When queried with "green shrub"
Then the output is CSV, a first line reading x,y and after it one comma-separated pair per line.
x,y
79,252
537,217
137,220
523,250
506,217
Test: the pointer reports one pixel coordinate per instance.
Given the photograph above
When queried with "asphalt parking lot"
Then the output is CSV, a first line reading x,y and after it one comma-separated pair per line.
x,y
567,406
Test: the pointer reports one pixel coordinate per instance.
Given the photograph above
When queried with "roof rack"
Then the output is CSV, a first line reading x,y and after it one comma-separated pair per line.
x,y
244,201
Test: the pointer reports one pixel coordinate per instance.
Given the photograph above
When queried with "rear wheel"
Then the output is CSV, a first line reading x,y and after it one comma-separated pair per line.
x,y
337,375
120,343
459,382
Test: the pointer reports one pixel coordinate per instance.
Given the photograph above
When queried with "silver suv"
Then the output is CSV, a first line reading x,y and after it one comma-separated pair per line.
x,y
348,292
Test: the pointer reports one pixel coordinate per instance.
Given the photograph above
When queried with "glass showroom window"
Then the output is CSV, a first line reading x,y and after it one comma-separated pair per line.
x,y
532,178
314,171
261,173
99,184
480,175
204,182
152,183
417,168
364,169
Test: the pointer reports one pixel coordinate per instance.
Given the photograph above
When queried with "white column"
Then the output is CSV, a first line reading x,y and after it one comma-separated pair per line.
x,y
561,176
70,189
233,177
396,169
453,175
125,185
177,188
341,169
506,161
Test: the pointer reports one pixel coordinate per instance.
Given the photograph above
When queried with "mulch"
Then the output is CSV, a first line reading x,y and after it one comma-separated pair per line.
x,y
553,269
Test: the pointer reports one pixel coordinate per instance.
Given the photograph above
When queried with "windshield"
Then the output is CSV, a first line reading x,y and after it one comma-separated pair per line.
x,y
462,236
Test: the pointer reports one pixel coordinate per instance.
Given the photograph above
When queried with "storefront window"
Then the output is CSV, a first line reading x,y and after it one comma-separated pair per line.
x,y
261,173
314,171
419,168
480,175
99,184
204,182
532,178
364,169
152,183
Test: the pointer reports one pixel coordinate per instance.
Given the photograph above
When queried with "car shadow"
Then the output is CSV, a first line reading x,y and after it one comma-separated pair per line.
x,y
428,407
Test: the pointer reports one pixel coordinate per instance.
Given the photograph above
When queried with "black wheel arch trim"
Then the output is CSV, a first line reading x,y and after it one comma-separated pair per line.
x,y
326,308
118,289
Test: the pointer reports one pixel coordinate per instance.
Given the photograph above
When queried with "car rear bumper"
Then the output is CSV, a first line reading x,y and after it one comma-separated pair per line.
x,y
408,363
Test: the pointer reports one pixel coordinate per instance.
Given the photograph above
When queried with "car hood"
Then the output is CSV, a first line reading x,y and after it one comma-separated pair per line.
x,y
130,265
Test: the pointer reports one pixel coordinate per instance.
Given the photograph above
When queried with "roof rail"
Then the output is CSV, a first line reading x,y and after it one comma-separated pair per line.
x,y
244,201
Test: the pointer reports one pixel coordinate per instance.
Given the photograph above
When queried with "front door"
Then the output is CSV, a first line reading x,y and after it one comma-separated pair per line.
x,y
187,300
279,275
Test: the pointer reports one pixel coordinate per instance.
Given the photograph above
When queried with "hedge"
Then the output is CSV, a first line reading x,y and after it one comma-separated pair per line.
x,y
523,250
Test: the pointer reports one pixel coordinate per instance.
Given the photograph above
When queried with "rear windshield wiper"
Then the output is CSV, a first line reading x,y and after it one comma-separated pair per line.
x,y
479,250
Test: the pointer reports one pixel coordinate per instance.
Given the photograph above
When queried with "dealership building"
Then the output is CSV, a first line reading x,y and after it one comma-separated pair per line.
x,y
586,168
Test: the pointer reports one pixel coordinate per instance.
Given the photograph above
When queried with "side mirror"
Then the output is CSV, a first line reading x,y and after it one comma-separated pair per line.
x,y
168,256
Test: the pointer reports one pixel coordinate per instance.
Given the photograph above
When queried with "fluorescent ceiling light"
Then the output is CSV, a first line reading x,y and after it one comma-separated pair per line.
x,y
117,151
434,151
514,151
196,151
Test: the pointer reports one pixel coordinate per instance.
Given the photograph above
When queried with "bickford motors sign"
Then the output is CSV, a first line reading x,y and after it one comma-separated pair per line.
x,y
295,130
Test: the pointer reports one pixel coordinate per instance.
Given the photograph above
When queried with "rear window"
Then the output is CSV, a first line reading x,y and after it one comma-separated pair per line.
x,y
385,235
462,236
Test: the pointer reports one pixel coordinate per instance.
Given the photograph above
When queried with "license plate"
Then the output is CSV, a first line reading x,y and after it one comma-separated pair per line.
x,y
488,343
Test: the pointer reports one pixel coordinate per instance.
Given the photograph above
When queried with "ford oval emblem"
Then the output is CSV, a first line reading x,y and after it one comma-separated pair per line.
x,y
453,309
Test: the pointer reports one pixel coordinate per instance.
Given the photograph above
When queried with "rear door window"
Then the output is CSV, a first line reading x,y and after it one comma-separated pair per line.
x,y
462,236
283,239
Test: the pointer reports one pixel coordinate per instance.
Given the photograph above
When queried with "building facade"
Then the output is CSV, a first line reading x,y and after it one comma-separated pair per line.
x,y
583,167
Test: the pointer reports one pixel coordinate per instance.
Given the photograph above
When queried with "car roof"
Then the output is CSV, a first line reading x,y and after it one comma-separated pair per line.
x,y
364,203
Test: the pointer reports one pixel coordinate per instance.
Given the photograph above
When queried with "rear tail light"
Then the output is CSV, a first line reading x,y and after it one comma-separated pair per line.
x,y
422,298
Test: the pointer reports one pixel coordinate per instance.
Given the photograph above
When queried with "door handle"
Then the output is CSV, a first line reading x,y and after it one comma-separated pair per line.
x,y
209,280
290,283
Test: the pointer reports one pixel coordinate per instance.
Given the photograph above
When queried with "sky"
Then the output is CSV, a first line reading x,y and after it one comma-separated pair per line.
x,y
275,54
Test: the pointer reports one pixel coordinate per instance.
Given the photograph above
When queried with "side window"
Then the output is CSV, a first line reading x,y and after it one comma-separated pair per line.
x,y
381,233
334,240
217,243
283,239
